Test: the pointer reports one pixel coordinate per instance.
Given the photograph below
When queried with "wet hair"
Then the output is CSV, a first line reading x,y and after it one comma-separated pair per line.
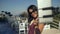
x,y
34,8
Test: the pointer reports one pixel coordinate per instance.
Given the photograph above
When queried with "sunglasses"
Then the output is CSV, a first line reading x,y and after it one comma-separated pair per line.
x,y
33,12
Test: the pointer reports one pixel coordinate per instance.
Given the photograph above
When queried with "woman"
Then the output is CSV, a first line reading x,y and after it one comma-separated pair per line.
x,y
33,20
34,27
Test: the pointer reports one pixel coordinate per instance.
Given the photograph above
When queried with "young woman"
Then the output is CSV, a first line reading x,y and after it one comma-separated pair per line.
x,y
34,27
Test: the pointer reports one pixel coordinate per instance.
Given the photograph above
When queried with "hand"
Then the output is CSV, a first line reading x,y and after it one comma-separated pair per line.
x,y
32,22
35,21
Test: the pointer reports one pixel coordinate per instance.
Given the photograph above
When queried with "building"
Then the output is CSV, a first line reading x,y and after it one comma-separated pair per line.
x,y
46,13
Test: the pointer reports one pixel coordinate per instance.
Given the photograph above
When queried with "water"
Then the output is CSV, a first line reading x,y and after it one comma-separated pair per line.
x,y
6,29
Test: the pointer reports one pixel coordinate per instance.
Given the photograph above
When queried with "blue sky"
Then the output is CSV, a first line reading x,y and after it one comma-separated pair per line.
x,y
18,6
56,2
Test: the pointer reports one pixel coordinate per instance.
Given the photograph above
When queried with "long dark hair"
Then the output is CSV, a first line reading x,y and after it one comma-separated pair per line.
x,y
34,8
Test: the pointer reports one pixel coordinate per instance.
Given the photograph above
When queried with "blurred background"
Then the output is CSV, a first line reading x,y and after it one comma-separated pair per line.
x,y
14,17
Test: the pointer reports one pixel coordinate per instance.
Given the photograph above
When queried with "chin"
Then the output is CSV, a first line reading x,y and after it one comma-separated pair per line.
x,y
35,17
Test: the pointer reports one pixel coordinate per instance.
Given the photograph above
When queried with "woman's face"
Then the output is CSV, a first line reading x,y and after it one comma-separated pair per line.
x,y
33,14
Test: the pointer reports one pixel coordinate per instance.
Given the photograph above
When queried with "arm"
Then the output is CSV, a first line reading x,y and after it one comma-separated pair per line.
x,y
41,26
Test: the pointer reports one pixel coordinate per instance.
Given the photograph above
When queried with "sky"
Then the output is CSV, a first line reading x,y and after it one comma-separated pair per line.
x,y
18,6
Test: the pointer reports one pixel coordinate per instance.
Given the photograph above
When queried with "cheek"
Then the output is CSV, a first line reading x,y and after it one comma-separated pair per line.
x,y
34,15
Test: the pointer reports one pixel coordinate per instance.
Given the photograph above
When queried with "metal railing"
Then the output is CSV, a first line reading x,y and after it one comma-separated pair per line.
x,y
55,24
